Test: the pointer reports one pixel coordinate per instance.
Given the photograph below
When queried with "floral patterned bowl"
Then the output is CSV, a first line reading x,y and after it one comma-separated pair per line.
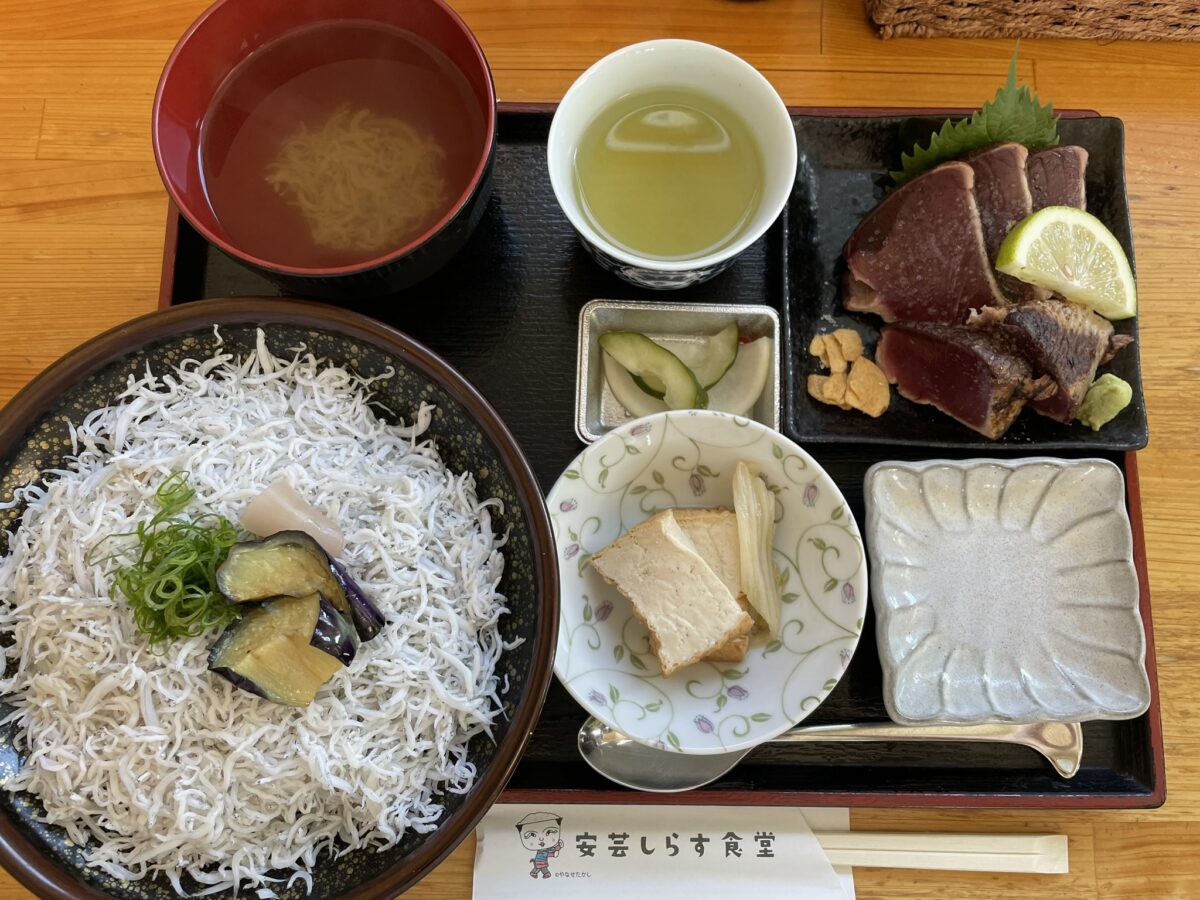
x,y
681,459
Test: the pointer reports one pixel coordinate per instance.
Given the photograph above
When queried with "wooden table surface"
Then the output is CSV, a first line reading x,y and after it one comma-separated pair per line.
x,y
81,233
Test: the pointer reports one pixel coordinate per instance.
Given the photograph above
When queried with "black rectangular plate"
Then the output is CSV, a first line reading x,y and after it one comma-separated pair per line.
x,y
505,314
841,176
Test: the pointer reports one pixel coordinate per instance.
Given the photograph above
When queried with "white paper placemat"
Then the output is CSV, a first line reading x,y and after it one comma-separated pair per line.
x,y
596,852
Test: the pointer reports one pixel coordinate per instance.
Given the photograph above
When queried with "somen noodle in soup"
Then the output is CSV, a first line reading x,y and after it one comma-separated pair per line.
x,y
337,144
362,182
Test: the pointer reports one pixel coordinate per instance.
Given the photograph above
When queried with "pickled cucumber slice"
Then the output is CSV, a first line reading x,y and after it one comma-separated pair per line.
x,y
736,393
709,358
645,388
656,365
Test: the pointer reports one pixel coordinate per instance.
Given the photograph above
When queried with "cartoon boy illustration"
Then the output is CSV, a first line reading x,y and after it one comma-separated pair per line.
x,y
539,832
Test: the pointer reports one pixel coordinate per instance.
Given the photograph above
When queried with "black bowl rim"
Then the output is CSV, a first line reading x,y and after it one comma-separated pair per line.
x,y
39,872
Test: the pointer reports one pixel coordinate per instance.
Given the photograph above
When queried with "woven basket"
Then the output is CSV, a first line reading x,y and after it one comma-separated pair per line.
x,y
1143,20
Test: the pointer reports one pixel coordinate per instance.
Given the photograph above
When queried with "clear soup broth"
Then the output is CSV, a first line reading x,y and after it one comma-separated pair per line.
x,y
338,143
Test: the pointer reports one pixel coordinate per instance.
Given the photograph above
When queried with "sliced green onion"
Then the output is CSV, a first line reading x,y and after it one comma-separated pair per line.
x,y
172,584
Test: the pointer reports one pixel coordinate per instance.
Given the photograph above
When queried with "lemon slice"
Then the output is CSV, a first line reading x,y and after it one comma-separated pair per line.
x,y
1070,252
736,392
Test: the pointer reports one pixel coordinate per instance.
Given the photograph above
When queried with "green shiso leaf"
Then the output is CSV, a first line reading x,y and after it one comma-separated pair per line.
x,y
1014,114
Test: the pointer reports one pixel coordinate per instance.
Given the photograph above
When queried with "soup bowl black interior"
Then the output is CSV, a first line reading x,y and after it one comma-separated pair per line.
x,y
34,436
231,31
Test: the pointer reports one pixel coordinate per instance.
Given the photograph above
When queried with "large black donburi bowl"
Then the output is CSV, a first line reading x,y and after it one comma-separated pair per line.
x,y
34,436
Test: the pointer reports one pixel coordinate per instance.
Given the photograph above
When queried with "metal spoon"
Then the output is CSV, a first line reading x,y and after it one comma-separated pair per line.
x,y
620,758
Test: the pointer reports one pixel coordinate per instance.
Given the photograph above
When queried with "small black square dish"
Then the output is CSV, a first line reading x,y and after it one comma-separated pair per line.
x,y
842,174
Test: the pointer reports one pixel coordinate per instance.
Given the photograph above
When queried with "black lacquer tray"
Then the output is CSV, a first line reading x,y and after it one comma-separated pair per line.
x,y
505,313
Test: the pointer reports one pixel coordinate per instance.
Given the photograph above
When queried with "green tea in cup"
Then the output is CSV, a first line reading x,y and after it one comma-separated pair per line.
x,y
668,174
670,158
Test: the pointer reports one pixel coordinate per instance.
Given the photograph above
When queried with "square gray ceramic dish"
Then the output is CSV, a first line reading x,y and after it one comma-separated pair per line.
x,y
597,411
1005,590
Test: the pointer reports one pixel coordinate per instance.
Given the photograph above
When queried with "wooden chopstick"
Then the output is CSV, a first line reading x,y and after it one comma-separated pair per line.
x,y
1035,853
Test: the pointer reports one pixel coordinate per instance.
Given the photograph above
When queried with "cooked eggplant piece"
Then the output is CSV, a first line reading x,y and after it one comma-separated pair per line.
x,y
285,649
287,564
368,619
293,564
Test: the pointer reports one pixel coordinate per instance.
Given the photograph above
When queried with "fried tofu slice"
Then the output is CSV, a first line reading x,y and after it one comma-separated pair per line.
x,y
684,605
714,534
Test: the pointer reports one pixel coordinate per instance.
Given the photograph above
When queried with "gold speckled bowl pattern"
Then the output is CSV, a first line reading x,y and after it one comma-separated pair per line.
x,y
469,435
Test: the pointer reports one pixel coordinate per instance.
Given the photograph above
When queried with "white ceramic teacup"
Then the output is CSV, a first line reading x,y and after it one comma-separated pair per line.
x,y
680,64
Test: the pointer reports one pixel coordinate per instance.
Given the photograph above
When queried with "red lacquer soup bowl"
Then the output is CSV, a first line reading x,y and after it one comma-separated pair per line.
x,y
249,76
